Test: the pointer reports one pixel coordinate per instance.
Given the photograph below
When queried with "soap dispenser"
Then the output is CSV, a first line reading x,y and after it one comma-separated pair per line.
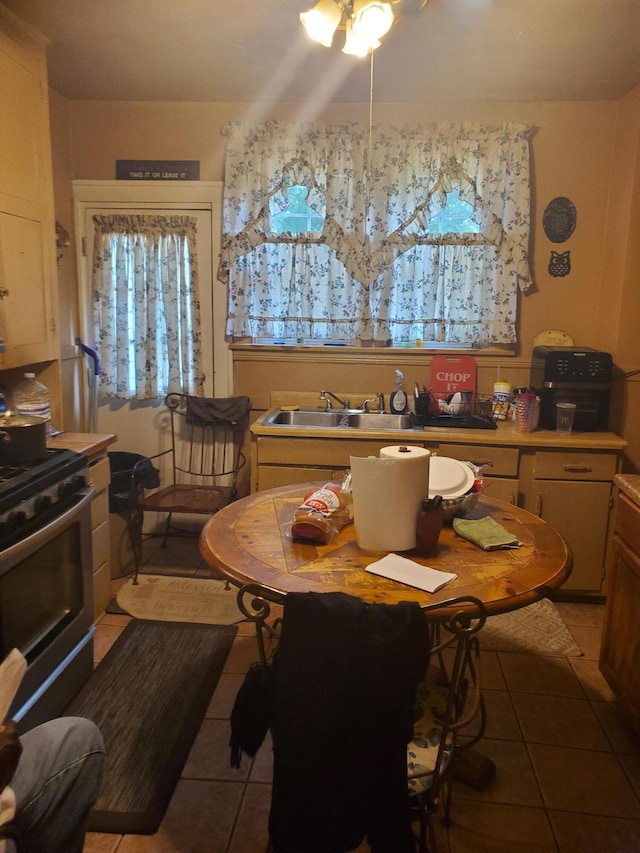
x,y
398,398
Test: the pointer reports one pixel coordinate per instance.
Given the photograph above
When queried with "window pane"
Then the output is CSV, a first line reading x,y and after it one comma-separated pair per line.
x,y
455,218
297,217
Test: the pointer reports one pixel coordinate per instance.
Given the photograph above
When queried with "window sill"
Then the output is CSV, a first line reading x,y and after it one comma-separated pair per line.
x,y
367,349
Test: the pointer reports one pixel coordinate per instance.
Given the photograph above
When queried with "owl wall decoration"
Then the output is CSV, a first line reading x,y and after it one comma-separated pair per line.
x,y
560,264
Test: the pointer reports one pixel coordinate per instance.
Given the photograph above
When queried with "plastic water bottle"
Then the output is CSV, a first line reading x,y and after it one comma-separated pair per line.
x,y
31,397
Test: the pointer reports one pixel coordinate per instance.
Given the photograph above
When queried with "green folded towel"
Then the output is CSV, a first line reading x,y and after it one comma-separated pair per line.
x,y
486,533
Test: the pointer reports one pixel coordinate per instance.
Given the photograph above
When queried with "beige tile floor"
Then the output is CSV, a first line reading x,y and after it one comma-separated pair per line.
x,y
568,768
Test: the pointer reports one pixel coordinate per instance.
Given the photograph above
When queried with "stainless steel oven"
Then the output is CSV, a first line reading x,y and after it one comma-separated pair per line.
x,y
46,573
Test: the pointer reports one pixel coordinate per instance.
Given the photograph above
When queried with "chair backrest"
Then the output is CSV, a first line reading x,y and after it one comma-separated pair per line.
x,y
207,434
321,710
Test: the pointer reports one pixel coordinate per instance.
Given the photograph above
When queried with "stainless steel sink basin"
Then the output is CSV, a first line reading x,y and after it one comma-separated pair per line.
x,y
374,420
337,418
301,418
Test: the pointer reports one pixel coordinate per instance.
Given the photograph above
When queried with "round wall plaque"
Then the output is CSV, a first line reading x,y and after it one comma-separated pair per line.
x,y
559,219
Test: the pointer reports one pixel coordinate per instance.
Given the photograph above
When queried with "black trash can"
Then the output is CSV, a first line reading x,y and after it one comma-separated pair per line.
x,y
131,474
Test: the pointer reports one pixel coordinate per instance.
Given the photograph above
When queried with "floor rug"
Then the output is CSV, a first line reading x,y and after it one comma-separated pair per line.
x,y
537,629
179,599
148,696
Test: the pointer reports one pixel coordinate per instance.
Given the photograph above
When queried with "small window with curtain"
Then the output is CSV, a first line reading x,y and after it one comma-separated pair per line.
x,y
146,314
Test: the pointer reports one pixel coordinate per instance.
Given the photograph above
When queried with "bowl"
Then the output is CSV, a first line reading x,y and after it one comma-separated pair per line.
x,y
459,506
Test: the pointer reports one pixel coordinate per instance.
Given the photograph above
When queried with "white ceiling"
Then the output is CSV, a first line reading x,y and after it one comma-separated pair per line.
x,y
256,51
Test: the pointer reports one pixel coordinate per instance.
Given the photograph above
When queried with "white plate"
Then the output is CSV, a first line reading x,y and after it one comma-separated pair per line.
x,y
449,477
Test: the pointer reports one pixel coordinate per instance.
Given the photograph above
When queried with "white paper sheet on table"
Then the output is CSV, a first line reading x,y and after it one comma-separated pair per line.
x,y
407,571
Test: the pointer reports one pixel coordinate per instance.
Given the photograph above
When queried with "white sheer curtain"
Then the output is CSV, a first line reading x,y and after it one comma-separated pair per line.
x,y
375,272
146,313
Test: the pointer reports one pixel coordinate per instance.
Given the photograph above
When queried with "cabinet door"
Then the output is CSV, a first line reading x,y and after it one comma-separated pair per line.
x,y
580,513
27,230
25,310
20,95
501,488
620,650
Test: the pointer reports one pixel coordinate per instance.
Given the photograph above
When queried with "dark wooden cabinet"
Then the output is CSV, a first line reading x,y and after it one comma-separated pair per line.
x,y
620,651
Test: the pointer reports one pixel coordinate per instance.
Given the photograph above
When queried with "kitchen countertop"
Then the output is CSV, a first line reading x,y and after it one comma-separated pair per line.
x,y
629,485
86,443
506,435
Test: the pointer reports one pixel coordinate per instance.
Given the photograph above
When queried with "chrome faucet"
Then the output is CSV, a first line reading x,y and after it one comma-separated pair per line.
x,y
326,395
379,399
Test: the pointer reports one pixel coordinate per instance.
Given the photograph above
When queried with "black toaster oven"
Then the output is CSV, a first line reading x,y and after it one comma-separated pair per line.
x,y
572,375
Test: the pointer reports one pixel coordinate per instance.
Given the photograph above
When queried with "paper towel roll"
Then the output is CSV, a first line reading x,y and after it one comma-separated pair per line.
x,y
387,497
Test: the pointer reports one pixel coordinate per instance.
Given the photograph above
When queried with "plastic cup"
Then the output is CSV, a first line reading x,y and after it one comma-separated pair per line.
x,y
565,413
527,412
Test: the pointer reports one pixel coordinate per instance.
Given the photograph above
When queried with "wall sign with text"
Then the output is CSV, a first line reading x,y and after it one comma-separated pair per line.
x,y
157,170
559,219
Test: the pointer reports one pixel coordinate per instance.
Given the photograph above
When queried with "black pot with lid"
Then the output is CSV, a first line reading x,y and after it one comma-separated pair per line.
x,y
23,439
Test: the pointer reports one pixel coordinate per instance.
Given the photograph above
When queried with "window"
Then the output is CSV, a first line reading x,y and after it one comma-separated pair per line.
x,y
422,234
146,314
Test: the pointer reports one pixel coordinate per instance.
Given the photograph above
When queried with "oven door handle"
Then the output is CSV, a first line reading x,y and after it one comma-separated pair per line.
x,y
40,537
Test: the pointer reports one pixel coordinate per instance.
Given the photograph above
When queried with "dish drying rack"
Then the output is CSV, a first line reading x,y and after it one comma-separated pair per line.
x,y
463,410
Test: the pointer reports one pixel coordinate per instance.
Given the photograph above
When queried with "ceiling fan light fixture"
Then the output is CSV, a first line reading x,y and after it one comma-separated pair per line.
x,y
372,20
354,45
322,21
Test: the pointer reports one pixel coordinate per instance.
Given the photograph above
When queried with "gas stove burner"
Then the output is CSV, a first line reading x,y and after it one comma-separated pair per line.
x,y
7,472
55,461
31,494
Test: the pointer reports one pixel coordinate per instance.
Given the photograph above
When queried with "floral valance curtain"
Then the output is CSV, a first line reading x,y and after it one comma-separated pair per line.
x,y
146,314
375,256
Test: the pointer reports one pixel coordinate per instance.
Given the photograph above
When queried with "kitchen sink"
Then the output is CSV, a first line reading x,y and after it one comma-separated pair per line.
x,y
337,418
375,420
302,418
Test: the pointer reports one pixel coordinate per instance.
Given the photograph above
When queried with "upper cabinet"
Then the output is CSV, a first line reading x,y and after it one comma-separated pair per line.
x,y
28,298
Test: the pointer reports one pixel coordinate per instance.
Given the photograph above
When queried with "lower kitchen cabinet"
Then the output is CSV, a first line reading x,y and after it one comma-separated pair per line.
x,y
572,490
620,650
580,513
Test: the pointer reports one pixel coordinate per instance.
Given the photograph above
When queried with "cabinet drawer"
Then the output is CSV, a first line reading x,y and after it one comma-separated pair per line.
x,y
99,509
321,452
100,474
101,544
501,461
578,465
627,524
273,476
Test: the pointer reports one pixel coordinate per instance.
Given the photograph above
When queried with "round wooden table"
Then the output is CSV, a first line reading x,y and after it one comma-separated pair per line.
x,y
249,541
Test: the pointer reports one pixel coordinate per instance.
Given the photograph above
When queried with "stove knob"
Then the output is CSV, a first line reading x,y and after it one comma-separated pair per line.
x,y
78,482
42,503
65,489
16,519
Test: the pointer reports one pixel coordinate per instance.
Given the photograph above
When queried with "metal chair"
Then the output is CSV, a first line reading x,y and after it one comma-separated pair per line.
x,y
206,456
447,700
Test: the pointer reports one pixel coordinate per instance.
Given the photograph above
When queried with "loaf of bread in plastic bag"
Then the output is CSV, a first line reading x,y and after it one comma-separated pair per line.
x,y
322,514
